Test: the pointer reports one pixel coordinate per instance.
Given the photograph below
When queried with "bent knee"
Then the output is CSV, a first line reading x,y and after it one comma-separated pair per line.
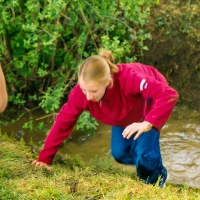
x,y
123,158
117,155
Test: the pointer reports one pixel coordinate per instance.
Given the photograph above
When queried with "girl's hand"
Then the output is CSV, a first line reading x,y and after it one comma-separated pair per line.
x,y
40,164
139,127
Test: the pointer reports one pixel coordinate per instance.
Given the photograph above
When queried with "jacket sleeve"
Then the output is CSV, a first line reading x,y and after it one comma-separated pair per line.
x,y
160,98
63,126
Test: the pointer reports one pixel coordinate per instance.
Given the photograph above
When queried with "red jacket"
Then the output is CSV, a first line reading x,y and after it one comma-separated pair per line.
x,y
139,93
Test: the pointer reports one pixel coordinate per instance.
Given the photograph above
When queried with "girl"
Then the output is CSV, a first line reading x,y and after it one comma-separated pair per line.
x,y
133,98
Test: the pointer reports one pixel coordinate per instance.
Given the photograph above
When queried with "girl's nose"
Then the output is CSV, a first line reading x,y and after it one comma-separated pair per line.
x,y
88,96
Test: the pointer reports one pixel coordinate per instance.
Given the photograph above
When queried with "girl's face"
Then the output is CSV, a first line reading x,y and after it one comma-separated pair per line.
x,y
93,90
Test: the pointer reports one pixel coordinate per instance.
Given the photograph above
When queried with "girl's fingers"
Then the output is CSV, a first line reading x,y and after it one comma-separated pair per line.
x,y
40,164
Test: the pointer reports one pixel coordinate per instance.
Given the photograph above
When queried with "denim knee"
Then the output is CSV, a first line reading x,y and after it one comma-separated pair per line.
x,y
122,157
118,156
121,147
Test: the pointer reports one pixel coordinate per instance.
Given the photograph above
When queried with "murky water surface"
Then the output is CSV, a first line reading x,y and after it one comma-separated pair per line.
x,y
180,145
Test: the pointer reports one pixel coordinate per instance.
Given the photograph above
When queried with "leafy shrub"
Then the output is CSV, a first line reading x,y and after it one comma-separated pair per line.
x,y
43,41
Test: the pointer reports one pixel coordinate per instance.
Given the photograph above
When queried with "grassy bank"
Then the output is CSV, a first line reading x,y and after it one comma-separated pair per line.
x,y
70,178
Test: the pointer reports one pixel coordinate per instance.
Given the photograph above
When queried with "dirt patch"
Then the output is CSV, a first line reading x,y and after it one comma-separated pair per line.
x,y
175,47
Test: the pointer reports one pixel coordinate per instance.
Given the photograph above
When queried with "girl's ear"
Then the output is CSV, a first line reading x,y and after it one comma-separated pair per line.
x,y
110,83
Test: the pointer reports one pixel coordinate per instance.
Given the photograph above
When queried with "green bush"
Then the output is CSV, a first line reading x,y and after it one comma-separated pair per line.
x,y
43,41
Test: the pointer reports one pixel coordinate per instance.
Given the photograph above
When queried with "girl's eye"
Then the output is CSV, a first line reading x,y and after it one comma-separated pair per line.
x,y
94,92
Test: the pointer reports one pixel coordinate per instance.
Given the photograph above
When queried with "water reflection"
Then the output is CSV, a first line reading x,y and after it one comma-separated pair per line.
x,y
180,140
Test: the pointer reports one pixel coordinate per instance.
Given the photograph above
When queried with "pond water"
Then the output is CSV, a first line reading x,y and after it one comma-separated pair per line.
x,y
180,145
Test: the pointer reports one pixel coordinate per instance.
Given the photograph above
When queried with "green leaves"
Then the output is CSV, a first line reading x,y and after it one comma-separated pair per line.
x,y
50,101
86,123
43,40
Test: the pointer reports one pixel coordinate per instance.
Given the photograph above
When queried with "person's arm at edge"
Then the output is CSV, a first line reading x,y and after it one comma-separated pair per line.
x,y
3,92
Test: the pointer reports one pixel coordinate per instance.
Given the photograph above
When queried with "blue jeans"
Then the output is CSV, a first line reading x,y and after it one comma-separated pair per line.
x,y
144,153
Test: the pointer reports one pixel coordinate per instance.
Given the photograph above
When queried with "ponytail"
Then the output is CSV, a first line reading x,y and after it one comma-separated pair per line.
x,y
108,56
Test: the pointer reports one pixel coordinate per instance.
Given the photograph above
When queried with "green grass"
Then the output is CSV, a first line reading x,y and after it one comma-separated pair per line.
x,y
71,178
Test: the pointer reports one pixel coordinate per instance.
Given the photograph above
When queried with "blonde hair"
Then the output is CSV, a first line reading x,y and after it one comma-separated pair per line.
x,y
98,67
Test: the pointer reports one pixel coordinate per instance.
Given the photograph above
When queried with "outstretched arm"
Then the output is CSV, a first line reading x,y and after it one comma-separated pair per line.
x,y
3,92
63,126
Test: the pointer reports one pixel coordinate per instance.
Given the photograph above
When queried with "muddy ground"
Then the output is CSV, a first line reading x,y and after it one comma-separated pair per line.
x,y
175,47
